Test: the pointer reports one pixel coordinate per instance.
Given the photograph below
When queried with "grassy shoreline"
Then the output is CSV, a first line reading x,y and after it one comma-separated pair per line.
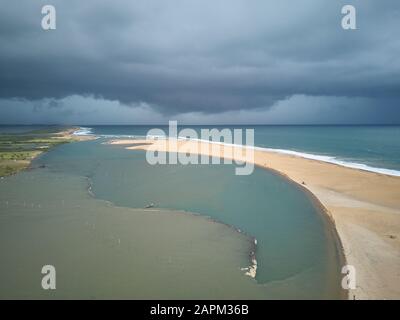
x,y
18,150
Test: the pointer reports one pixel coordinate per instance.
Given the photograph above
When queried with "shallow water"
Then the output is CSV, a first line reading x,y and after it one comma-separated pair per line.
x,y
101,250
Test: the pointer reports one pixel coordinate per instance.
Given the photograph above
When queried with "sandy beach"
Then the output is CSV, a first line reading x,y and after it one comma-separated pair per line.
x,y
364,207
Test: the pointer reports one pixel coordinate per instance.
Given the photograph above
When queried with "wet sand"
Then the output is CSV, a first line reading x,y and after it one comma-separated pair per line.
x,y
364,207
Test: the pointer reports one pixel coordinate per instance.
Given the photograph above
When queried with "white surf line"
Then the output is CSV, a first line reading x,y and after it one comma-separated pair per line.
x,y
310,156
83,131
335,160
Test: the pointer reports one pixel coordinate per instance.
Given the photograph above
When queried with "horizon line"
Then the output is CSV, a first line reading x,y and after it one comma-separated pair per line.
x,y
202,124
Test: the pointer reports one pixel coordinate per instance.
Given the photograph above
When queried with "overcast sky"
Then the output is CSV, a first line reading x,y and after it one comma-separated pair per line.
x,y
199,61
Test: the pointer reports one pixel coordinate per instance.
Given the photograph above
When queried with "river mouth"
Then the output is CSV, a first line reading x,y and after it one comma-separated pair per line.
x,y
296,258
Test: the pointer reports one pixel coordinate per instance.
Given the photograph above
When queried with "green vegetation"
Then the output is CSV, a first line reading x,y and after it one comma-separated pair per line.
x,y
17,150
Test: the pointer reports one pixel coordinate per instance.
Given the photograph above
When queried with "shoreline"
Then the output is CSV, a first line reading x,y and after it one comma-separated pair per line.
x,y
331,159
363,208
14,160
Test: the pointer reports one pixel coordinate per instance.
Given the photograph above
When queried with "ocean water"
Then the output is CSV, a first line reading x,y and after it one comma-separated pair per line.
x,y
372,148
81,208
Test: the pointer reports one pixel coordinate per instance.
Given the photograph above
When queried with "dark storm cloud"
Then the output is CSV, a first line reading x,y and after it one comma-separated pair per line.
x,y
183,56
